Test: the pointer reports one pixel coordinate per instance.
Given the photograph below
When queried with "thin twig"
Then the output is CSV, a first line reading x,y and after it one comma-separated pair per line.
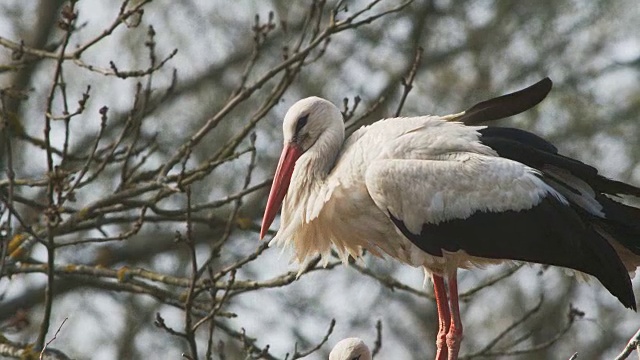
x,y
491,344
353,122
377,345
407,82
392,283
189,330
488,283
249,343
218,304
633,344
68,19
55,336
299,355
11,178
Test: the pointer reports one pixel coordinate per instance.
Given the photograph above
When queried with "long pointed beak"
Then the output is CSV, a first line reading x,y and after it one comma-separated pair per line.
x,y
281,180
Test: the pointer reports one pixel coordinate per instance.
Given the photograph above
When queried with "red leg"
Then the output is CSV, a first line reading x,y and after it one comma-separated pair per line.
x,y
454,335
443,316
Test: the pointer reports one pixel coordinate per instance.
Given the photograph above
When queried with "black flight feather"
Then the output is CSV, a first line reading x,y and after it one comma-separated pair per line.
x,y
507,105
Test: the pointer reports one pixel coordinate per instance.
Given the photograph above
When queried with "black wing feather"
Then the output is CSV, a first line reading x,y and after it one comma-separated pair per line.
x,y
621,221
550,233
507,105
534,151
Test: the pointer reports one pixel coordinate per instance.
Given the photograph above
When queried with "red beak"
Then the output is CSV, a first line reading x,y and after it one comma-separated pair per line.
x,y
281,180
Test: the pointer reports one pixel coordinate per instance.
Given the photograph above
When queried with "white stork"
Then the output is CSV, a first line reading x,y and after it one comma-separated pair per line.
x,y
350,349
433,192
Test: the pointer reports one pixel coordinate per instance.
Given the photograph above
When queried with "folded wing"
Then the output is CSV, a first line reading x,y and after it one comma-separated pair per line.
x,y
496,208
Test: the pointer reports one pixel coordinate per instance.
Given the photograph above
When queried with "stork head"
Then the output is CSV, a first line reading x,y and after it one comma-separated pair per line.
x,y
350,349
306,121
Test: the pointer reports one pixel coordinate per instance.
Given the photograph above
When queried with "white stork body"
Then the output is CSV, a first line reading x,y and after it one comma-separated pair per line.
x,y
418,169
436,193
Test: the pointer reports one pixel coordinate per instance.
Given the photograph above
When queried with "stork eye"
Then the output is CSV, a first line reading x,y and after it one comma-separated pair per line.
x,y
356,357
302,121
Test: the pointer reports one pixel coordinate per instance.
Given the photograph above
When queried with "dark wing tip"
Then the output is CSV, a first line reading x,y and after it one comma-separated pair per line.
x,y
507,105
